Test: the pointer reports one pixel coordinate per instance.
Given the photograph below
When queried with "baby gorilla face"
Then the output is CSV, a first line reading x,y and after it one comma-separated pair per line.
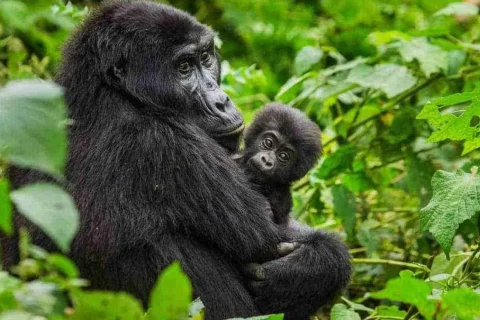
x,y
271,157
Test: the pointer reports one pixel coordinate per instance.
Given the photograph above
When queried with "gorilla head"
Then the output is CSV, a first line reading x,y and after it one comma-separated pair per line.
x,y
281,144
160,59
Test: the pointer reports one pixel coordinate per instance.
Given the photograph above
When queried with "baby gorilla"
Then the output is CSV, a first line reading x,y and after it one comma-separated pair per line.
x,y
281,145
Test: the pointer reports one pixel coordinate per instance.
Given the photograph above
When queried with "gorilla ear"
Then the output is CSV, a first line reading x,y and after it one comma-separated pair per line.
x,y
118,71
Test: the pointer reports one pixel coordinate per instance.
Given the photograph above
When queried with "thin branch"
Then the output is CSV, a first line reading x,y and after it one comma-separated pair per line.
x,y
391,262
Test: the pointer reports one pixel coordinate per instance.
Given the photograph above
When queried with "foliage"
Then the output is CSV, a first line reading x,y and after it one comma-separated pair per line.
x,y
394,86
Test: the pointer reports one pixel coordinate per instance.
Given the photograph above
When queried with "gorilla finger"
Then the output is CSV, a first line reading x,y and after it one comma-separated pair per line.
x,y
285,248
255,271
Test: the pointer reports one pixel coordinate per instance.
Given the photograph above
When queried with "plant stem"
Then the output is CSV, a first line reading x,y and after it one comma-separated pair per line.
x,y
391,262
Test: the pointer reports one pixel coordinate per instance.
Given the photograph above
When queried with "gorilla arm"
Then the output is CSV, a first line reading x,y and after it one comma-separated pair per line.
x,y
315,268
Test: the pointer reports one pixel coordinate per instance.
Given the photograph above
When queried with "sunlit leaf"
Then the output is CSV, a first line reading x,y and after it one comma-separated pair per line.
x,y
340,312
463,303
390,311
432,59
409,290
106,306
392,79
464,126
171,295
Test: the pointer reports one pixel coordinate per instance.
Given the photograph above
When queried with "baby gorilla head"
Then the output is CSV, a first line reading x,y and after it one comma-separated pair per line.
x,y
281,145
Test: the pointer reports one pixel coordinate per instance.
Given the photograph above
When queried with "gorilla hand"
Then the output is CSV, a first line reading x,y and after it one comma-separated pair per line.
x,y
313,268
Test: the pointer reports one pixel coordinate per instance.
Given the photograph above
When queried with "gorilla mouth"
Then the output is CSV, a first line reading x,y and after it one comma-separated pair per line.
x,y
229,131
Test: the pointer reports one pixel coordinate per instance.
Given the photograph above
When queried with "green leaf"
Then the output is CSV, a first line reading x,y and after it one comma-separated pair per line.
x,y
432,59
459,9
463,303
336,162
5,207
41,298
17,315
269,317
455,199
392,79
390,311
32,125
172,295
64,265
307,58
345,208
340,312
409,290
357,182
97,305
449,126
50,208
367,237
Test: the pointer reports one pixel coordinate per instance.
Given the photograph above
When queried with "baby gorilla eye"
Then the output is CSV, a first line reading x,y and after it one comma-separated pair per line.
x,y
205,56
268,143
283,156
184,67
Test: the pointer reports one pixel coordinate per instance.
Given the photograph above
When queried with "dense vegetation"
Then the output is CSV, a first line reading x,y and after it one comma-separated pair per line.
x,y
393,84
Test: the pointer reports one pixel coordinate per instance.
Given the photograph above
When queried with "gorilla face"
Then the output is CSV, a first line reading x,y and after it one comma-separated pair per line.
x,y
197,67
167,61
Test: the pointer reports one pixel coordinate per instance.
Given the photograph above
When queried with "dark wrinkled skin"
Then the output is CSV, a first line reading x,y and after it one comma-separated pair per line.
x,y
154,185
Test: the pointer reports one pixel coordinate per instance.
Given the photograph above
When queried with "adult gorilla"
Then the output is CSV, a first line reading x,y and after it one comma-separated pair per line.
x,y
154,185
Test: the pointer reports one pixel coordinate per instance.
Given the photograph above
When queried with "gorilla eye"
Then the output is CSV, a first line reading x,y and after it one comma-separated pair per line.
x,y
283,156
268,143
184,67
205,56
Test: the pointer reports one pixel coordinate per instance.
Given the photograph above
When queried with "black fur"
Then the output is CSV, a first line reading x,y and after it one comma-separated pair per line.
x,y
292,132
153,186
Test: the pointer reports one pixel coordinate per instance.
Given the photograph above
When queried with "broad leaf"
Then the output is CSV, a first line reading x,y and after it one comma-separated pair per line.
x,y
409,290
432,59
5,207
392,79
336,163
340,312
50,208
32,125
270,317
455,199
463,303
345,208
459,9
171,296
106,306
307,58
390,311
449,126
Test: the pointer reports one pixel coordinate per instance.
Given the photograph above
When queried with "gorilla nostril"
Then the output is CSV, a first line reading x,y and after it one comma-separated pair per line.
x,y
220,106
268,164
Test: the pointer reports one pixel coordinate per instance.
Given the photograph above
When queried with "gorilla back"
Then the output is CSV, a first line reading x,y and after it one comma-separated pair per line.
x,y
151,180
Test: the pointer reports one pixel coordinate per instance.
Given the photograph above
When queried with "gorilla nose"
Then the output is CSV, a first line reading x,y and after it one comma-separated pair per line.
x,y
222,102
267,162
